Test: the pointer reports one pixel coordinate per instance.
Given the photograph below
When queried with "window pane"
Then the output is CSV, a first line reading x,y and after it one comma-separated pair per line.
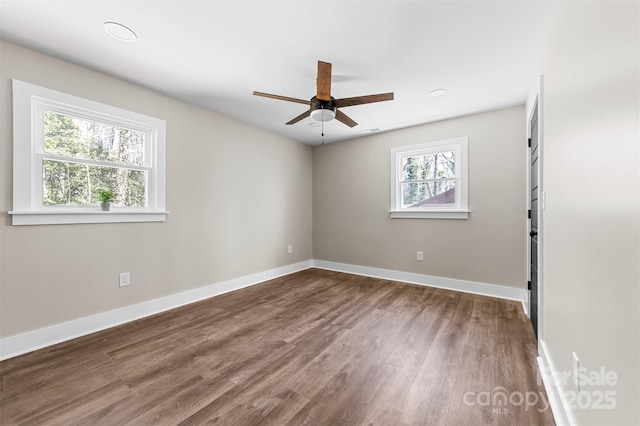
x,y
426,194
432,166
73,184
64,184
131,188
79,138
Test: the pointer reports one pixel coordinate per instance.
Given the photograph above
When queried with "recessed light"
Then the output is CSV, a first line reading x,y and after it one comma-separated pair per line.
x,y
370,130
120,32
438,92
314,124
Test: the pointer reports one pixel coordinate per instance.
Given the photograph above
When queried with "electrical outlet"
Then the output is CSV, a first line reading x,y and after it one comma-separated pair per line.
x,y
124,279
420,255
289,249
576,370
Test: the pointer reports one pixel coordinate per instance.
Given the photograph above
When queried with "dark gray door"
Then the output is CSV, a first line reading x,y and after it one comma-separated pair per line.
x,y
533,232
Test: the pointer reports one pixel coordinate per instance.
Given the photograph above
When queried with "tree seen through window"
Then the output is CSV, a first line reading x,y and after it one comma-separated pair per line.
x,y
428,179
82,156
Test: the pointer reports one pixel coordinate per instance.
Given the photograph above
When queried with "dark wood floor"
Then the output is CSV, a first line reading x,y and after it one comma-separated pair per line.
x,y
315,347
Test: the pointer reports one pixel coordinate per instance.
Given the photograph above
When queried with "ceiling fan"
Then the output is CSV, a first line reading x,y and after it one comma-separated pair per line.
x,y
324,107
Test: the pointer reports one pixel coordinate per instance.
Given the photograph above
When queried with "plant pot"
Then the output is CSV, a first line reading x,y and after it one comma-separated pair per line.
x,y
105,207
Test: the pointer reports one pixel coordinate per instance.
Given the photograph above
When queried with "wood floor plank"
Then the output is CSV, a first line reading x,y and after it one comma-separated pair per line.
x,y
315,347
184,404
344,399
142,399
54,390
283,405
83,406
522,375
429,397
384,401
477,361
390,400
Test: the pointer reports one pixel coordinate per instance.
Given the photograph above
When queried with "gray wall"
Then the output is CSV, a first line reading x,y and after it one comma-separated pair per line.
x,y
351,200
591,232
237,196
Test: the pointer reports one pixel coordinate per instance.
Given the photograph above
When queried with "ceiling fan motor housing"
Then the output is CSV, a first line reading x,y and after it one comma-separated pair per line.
x,y
323,110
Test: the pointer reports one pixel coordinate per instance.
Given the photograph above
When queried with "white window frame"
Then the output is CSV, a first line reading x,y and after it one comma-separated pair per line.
x,y
29,104
459,209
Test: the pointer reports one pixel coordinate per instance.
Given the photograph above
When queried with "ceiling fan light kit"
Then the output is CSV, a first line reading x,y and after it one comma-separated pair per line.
x,y
323,110
323,107
323,114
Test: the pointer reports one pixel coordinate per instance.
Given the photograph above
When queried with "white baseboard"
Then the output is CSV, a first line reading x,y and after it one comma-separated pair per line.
x,y
26,342
525,304
483,289
557,401
32,340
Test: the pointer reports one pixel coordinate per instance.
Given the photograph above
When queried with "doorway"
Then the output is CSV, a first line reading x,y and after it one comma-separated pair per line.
x,y
533,215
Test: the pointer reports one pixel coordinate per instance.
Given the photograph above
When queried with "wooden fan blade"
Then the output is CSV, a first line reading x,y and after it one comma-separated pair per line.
x,y
282,98
359,100
344,118
300,117
324,81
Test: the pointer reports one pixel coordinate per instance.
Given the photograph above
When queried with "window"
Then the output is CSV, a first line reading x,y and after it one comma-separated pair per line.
x,y
430,180
67,148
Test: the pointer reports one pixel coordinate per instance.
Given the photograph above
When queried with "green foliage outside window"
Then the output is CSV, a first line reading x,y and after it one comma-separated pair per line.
x,y
67,182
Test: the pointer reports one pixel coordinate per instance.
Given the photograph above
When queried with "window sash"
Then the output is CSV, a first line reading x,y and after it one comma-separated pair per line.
x,y
401,156
41,106
455,210
39,198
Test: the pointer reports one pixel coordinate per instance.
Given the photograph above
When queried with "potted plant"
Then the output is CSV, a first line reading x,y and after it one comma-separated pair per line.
x,y
105,197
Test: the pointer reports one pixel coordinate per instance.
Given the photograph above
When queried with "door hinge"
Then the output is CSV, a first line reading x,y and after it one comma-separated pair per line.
x,y
528,285
529,143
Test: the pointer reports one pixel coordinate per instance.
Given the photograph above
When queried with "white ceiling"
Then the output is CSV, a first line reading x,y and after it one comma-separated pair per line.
x,y
216,53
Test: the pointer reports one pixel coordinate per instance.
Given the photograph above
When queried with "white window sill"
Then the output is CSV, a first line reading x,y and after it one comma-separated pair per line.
x,y
416,214
61,218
